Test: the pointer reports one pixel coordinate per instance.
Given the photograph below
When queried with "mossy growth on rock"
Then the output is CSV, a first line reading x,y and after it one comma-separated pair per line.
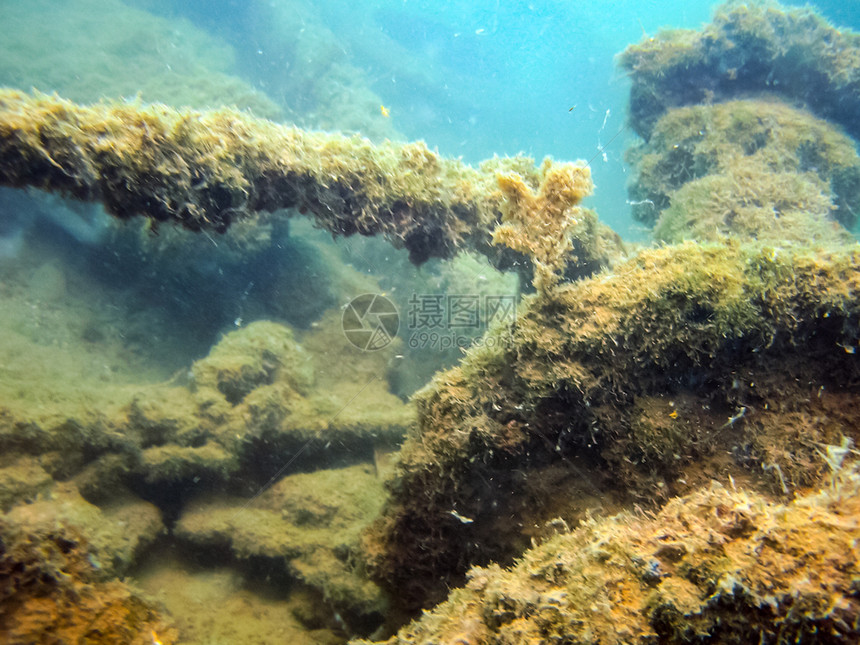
x,y
719,565
683,363
115,533
203,170
241,411
260,396
91,49
308,524
266,402
748,48
52,592
259,354
747,169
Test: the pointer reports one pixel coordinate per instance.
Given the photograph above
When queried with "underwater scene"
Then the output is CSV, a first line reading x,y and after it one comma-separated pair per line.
x,y
425,322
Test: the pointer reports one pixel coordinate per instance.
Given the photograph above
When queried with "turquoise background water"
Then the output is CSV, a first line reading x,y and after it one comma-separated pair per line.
x,y
495,77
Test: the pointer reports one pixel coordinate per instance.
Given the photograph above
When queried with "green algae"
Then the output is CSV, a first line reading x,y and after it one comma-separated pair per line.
x,y
52,590
307,523
682,363
746,169
204,170
719,564
105,48
748,48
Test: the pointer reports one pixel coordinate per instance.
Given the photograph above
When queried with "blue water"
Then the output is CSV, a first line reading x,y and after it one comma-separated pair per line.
x,y
474,79
531,77
494,77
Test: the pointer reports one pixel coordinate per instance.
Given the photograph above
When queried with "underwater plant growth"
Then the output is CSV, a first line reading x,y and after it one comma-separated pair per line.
x,y
746,170
747,50
656,445
626,387
204,170
719,565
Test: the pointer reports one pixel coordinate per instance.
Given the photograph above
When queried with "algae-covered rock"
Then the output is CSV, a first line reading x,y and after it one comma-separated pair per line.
x,y
746,169
720,565
308,523
91,49
324,397
169,441
405,192
256,355
172,463
51,592
21,480
722,155
683,363
115,533
748,49
245,409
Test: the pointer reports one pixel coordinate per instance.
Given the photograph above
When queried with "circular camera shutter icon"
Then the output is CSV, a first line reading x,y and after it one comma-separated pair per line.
x,y
370,321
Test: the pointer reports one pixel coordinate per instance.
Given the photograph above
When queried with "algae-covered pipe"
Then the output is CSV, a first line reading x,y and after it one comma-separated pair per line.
x,y
206,169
